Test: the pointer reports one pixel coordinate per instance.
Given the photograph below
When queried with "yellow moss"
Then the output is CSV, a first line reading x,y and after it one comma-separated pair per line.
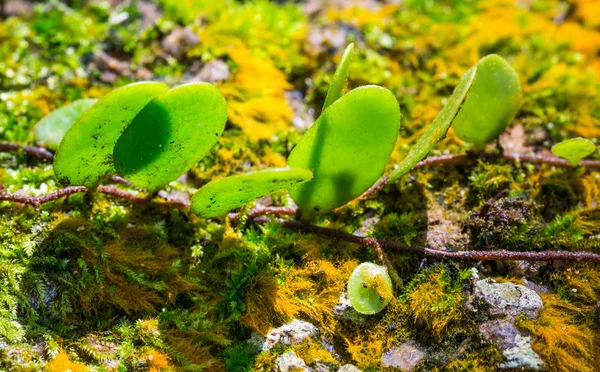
x,y
185,344
62,362
591,190
274,160
311,290
365,354
361,16
225,154
312,352
563,342
255,96
584,283
366,345
157,361
473,365
434,305
265,361
148,329
266,304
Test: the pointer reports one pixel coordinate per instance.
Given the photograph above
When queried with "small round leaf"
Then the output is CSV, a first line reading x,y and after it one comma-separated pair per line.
x,y
340,77
491,104
347,149
84,156
52,128
574,149
218,197
170,134
370,288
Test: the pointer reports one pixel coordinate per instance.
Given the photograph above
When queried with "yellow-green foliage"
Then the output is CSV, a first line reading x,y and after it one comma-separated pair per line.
x,y
112,280
63,362
255,96
436,303
312,352
560,338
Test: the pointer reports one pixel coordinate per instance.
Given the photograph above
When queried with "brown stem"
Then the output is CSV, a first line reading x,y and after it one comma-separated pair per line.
x,y
435,161
500,255
38,152
110,190
36,201
262,211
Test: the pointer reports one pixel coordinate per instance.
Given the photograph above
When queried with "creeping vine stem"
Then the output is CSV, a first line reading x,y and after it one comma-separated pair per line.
x,y
257,214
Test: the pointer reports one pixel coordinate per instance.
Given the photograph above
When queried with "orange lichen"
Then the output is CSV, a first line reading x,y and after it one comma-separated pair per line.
x,y
62,362
563,342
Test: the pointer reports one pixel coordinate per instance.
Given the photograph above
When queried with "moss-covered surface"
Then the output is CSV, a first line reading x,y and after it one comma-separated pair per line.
x,y
91,283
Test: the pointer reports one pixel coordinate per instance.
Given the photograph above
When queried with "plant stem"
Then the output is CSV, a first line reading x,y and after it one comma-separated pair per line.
x,y
499,255
110,190
38,152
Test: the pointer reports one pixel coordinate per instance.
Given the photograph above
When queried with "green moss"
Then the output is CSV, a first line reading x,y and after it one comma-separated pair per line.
x,y
136,281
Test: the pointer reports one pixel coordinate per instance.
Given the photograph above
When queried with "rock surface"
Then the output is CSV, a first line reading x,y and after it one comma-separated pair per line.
x,y
504,302
404,357
291,333
289,362
508,299
515,347
348,368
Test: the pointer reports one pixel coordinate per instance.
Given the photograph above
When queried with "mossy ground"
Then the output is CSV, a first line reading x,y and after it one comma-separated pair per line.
x,y
91,283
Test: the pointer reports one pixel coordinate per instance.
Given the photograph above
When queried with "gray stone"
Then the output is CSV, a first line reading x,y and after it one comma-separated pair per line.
x,y
508,299
321,367
521,356
348,368
515,347
179,41
304,116
290,362
500,332
213,71
404,357
288,334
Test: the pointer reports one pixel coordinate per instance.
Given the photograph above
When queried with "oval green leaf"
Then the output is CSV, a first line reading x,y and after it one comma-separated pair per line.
x,y
340,77
370,288
170,134
438,128
218,197
52,128
574,149
491,104
84,156
347,149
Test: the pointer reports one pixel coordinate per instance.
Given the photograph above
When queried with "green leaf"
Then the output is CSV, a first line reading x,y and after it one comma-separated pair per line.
x,y
574,149
369,288
52,128
347,149
438,128
339,78
218,197
84,156
167,138
492,103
